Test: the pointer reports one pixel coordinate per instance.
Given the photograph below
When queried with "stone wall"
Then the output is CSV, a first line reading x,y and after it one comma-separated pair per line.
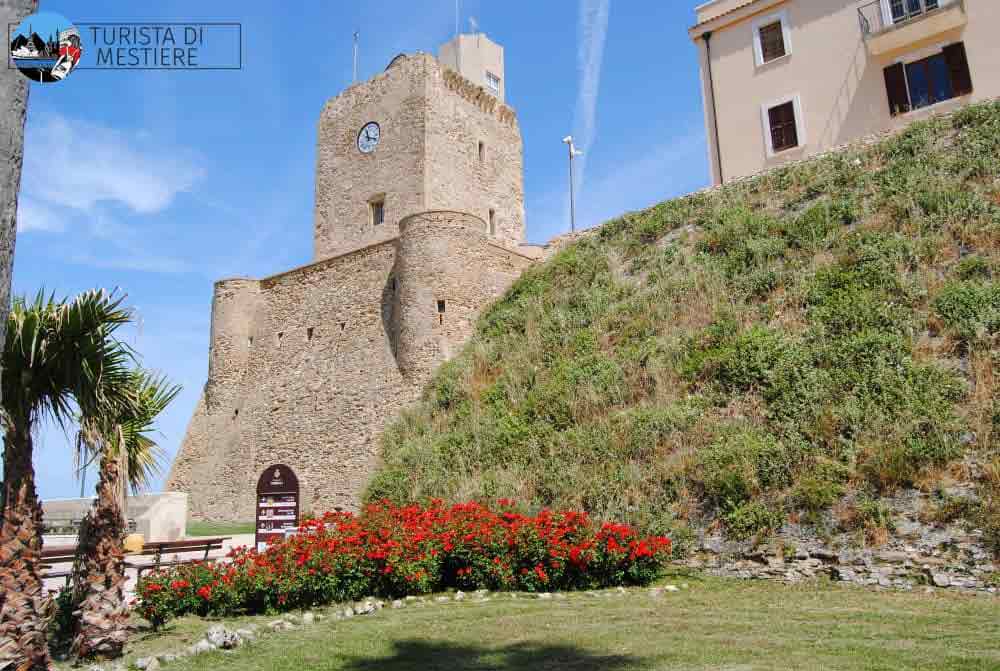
x,y
449,270
918,554
347,180
318,377
308,366
432,123
460,117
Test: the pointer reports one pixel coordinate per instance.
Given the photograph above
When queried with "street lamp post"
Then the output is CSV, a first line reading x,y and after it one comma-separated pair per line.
x,y
573,153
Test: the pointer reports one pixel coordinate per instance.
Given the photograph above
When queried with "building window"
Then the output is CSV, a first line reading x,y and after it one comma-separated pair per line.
x,y
482,152
901,10
493,222
378,212
772,42
309,333
772,38
943,76
783,125
441,307
493,83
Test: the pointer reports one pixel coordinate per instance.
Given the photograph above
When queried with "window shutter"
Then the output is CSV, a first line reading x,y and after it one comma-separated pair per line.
x,y
895,87
958,65
772,42
784,134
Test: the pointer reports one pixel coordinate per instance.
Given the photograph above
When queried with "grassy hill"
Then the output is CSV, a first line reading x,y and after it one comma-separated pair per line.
x,y
817,337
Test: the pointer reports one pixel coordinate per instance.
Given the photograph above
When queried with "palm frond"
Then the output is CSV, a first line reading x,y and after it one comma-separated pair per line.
x,y
59,356
123,430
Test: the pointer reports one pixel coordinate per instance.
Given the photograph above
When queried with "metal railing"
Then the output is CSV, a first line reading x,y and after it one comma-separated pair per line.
x,y
878,16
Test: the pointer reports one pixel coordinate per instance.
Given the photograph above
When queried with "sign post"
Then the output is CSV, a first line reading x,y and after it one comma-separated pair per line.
x,y
277,504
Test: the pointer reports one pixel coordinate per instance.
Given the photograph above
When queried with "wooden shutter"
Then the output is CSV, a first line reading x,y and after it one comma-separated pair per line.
x,y
958,65
895,88
784,134
772,42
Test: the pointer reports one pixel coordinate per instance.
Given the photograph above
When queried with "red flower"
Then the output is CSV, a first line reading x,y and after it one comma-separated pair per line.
x,y
205,592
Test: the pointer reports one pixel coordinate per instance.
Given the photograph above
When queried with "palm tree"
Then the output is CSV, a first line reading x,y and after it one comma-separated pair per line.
x,y
127,454
14,94
59,358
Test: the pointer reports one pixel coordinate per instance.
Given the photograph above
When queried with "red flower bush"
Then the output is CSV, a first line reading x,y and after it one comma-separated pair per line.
x,y
394,551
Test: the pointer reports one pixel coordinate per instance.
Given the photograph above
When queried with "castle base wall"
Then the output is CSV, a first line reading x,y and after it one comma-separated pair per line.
x,y
321,374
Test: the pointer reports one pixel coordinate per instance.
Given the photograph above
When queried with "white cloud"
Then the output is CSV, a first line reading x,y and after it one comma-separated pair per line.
x,y
75,172
79,165
593,31
35,216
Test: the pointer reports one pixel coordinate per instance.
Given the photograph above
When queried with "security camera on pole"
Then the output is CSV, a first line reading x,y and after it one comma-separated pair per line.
x,y
573,153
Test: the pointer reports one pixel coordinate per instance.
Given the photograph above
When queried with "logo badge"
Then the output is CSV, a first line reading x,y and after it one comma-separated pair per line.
x,y
46,47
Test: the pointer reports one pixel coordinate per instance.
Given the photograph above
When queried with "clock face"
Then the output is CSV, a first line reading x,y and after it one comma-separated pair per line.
x,y
368,138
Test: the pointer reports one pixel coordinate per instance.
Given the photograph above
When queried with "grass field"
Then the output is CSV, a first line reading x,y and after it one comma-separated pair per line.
x,y
196,528
712,624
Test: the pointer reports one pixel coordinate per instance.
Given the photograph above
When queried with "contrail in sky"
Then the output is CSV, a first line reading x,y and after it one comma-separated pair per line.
x,y
593,29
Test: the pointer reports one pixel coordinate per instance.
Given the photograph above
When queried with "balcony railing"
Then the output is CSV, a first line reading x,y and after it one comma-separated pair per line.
x,y
878,16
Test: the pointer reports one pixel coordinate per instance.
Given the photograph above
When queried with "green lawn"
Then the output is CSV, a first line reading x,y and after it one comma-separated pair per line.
x,y
198,528
714,624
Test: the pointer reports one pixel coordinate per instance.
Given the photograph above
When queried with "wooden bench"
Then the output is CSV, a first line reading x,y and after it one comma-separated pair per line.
x,y
60,554
159,549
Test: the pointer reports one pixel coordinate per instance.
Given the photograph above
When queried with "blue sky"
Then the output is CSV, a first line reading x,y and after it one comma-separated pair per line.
x,y
161,182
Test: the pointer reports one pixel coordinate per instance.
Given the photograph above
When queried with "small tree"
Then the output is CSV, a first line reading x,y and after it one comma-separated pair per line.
x,y
128,455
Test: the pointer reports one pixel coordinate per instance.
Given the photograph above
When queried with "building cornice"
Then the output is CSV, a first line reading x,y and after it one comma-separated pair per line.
x,y
734,15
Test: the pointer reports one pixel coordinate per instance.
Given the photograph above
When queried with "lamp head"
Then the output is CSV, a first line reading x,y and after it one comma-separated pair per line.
x,y
568,139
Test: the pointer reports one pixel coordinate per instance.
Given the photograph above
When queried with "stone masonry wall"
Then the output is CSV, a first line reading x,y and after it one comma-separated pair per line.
x,y
334,350
449,269
347,180
432,122
460,117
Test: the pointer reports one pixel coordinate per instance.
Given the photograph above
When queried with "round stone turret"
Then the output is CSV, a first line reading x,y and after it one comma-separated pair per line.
x,y
440,292
233,310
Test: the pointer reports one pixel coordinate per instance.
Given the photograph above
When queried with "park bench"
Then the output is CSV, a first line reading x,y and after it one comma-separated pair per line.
x,y
66,554
60,554
161,548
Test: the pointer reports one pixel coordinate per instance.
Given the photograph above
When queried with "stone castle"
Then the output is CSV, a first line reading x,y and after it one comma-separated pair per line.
x,y
419,224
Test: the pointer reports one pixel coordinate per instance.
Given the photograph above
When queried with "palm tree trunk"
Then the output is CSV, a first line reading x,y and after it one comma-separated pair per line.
x,y
25,607
99,576
14,94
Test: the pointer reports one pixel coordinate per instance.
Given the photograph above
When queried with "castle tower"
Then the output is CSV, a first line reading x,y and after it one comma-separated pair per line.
x,y
418,225
419,136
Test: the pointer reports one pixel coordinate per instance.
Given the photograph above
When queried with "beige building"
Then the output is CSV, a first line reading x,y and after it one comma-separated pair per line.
x,y
419,224
785,79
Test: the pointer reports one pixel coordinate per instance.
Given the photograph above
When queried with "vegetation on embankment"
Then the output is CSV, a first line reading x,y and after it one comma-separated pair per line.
x,y
746,355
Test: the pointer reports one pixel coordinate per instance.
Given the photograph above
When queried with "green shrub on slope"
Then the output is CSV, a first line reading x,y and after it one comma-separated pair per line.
x,y
739,354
